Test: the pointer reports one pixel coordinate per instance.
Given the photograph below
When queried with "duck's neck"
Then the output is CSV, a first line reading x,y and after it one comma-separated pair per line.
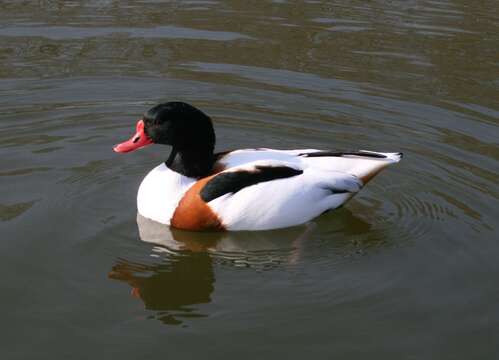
x,y
194,163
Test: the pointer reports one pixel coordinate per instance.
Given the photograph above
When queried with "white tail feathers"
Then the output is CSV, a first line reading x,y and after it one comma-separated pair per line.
x,y
368,168
394,157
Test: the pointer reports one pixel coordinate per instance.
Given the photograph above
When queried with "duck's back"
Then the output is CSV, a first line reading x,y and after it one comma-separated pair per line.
x,y
362,164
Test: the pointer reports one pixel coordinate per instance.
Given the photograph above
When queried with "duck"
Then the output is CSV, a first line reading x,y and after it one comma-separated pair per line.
x,y
197,189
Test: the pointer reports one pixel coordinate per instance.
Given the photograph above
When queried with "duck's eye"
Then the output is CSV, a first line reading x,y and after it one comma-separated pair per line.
x,y
136,139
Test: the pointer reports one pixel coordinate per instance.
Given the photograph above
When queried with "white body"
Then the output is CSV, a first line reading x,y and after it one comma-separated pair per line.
x,y
266,205
160,192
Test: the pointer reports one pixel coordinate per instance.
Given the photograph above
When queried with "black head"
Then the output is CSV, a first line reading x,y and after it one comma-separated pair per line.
x,y
188,130
180,125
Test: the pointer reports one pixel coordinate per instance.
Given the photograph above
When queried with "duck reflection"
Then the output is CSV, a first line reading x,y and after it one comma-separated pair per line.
x,y
259,249
178,276
172,287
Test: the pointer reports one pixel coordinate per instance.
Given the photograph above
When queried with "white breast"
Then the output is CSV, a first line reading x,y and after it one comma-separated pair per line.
x,y
160,192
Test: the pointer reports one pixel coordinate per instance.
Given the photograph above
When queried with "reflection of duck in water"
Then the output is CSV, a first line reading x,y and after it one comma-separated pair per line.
x,y
250,189
184,277
258,249
171,287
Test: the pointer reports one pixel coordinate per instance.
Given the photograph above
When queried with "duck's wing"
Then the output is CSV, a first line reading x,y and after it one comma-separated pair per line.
x,y
270,194
363,164
237,178
240,177
231,159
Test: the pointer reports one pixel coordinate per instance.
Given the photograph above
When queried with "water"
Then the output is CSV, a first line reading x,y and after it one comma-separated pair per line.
x,y
407,270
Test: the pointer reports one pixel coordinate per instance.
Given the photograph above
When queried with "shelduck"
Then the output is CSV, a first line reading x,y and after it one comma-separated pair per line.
x,y
248,189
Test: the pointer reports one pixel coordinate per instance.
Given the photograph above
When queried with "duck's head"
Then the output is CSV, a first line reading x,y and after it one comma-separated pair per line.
x,y
180,125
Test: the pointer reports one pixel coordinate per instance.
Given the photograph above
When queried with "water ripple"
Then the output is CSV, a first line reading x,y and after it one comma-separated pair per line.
x,y
70,32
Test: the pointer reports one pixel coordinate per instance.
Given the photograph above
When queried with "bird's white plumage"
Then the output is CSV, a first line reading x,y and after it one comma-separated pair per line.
x,y
326,183
282,202
160,192
351,164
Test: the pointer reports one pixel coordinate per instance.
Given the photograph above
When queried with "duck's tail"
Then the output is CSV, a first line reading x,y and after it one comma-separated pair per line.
x,y
368,166
363,164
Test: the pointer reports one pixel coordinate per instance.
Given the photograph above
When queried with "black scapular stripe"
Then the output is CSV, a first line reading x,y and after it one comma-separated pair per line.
x,y
343,153
233,181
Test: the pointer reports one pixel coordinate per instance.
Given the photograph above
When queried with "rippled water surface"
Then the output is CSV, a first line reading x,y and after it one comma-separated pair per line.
x,y
407,270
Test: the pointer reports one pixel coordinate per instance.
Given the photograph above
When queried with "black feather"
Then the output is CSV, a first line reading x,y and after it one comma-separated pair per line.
x,y
343,153
233,181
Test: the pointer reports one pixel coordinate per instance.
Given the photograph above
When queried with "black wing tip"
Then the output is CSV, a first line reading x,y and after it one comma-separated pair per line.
x,y
344,153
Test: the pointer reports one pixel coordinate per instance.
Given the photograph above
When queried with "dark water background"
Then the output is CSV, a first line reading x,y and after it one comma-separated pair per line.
x,y
408,270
